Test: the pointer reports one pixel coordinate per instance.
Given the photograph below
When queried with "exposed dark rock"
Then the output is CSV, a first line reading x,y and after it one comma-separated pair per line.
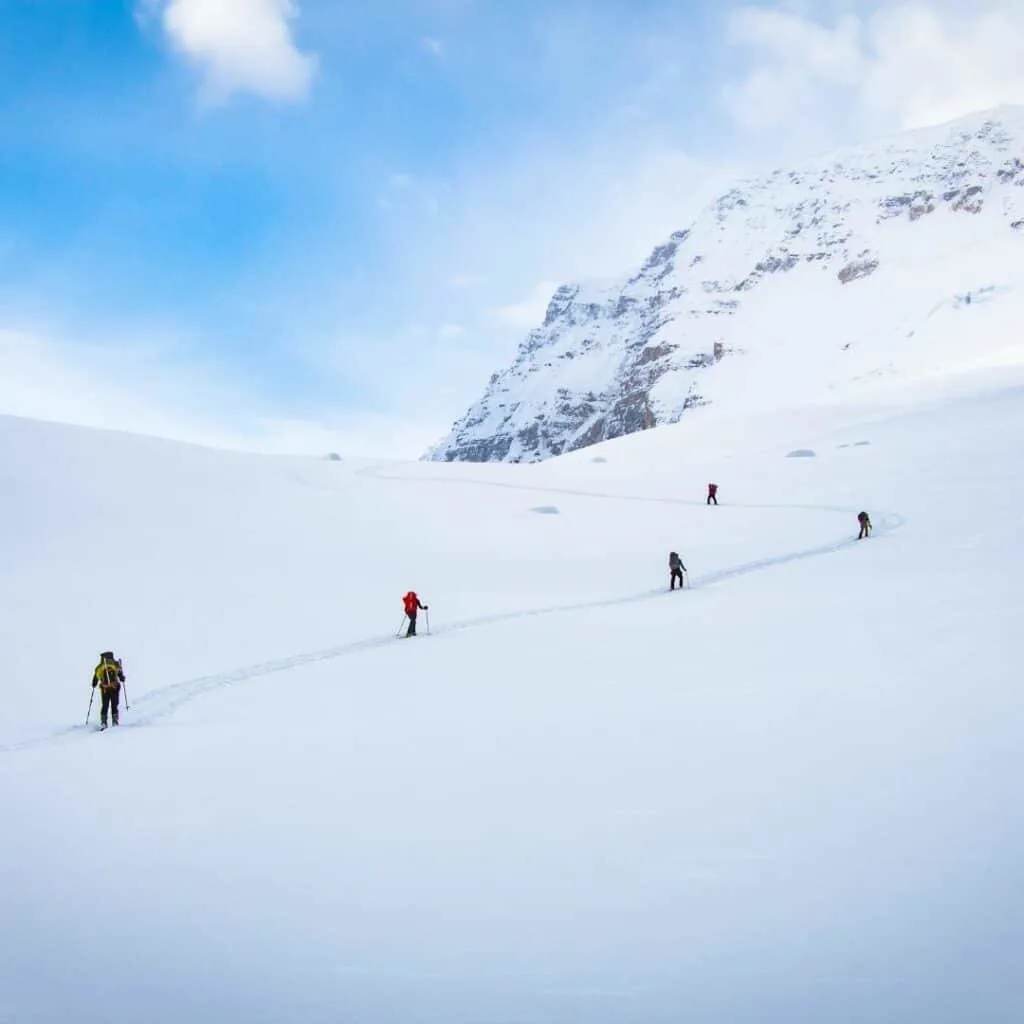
x,y
560,303
490,449
776,264
858,269
655,352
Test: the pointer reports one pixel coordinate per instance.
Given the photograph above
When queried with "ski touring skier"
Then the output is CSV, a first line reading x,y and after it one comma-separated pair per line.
x,y
412,605
712,494
108,676
865,525
675,570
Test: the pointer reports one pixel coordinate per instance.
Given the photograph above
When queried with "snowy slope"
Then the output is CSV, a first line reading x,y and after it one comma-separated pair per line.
x,y
825,277
788,794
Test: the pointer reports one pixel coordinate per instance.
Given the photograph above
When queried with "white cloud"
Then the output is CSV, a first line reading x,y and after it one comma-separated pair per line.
x,y
905,65
239,46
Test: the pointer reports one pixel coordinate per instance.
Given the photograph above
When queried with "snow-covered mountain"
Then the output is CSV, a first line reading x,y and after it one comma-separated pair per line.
x,y
828,276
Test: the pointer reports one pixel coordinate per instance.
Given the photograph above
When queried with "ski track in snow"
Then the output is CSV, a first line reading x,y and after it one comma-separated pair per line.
x,y
164,702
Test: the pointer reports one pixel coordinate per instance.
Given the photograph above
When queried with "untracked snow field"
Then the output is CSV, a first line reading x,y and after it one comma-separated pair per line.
x,y
790,793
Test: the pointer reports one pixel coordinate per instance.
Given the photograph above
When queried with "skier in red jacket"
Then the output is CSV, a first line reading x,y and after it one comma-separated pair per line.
x,y
412,605
712,494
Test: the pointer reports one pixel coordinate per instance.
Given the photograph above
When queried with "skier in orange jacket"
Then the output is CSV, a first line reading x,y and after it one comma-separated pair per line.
x,y
412,605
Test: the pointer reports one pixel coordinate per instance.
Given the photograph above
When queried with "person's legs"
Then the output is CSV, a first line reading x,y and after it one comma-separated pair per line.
x,y
411,631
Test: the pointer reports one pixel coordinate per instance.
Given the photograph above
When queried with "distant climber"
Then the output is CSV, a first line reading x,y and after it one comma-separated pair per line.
x,y
712,494
108,676
865,525
675,570
412,605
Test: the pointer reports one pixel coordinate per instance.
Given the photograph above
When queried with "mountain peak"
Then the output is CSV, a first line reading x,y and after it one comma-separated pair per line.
x,y
816,278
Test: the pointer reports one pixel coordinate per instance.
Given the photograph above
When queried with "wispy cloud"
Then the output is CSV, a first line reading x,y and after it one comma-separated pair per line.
x,y
464,280
239,46
143,386
432,46
529,311
904,65
401,182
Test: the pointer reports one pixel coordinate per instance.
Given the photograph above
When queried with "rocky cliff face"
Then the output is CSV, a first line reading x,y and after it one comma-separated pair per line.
x,y
780,250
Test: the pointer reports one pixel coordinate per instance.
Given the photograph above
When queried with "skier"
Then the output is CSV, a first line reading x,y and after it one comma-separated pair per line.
x,y
712,494
108,675
865,525
675,570
412,605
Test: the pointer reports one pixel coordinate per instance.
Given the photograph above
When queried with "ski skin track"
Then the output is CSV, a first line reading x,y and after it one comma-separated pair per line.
x,y
168,699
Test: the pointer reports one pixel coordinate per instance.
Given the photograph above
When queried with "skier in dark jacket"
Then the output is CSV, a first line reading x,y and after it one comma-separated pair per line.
x,y
412,605
108,676
712,494
675,571
865,525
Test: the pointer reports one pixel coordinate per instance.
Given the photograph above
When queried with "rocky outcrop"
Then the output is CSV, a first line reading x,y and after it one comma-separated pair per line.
x,y
863,267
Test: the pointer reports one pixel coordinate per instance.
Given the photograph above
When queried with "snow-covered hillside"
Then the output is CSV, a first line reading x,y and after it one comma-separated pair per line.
x,y
798,286
789,793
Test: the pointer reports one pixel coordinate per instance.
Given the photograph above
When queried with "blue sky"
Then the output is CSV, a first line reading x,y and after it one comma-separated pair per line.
x,y
321,224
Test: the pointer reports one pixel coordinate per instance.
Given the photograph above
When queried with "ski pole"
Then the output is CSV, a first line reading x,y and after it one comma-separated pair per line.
x,y
400,625
427,612
124,686
92,693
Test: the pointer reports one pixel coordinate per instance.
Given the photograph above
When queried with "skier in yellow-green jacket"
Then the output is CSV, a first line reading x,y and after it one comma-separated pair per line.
x,y
108,676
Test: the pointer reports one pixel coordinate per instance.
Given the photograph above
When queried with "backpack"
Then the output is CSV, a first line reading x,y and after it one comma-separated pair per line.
x,y
109,672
